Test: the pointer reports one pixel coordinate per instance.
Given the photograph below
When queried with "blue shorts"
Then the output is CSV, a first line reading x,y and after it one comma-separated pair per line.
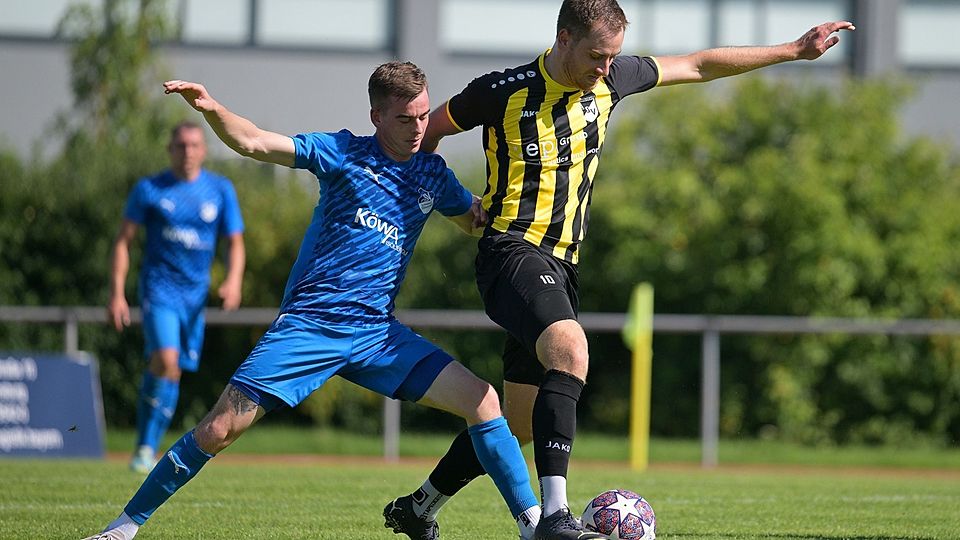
x,y
178,328
297,355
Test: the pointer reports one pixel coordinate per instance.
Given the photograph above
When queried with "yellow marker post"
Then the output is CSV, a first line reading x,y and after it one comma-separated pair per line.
x,y
638,336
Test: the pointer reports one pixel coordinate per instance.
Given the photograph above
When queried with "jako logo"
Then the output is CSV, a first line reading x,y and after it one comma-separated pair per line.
x,y
370,220
553,445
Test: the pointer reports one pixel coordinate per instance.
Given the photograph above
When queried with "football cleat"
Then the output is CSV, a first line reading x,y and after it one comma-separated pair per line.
x,y
143,460
399,516
561,525
113,534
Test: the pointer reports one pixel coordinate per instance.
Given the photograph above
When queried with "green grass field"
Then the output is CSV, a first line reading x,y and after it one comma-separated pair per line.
x,y
834,494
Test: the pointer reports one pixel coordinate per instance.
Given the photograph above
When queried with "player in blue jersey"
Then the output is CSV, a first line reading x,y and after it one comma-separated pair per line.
x,y
184,209
336,318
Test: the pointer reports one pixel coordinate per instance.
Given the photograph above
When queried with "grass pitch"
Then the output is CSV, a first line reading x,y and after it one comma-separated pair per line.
x,y
239,497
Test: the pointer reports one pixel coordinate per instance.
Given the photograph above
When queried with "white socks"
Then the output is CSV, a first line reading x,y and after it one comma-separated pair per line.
x,y
527,522
553,492
427,501
126,527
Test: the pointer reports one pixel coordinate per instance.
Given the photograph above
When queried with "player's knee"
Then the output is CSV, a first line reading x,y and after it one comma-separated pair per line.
x,y
563,346
213,434
165,363
488,407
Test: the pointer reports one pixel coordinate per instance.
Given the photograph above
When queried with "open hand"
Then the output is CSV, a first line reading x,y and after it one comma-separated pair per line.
x,y
118,312
230,294
818,39
193,93
479,214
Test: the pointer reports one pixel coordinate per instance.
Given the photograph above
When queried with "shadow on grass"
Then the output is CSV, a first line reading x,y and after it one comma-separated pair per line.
x,y
785,536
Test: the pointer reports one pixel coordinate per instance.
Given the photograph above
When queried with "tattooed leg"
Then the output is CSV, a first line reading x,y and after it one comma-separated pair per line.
x,y
230,417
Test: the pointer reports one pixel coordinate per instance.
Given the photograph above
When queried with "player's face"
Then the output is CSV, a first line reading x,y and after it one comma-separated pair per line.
x,y
187,149
401,125
587,59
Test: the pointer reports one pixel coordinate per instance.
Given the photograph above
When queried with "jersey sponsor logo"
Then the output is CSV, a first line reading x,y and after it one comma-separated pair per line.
x,y
544,149
425,201
528,114
579,136
390,232
208,212
188,238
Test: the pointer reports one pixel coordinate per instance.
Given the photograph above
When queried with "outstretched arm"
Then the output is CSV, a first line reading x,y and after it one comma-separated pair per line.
x,y
711,64
240,134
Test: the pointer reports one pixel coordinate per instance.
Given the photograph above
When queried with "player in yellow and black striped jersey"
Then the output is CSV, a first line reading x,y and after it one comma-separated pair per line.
x,y
542,140
544,124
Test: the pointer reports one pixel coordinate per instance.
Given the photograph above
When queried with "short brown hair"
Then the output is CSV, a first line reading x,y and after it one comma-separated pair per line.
x,y
579,16
402,80
186,124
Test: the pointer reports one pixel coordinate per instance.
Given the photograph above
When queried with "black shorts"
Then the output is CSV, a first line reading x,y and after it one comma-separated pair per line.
x,y
524,290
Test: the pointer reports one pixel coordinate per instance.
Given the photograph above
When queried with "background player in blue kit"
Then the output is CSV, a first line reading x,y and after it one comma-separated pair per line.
x,y
544,125
336,318
184,209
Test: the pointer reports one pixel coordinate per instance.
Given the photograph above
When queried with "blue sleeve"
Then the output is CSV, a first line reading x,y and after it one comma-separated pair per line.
x,y
321,153
232,222
455,199
136,209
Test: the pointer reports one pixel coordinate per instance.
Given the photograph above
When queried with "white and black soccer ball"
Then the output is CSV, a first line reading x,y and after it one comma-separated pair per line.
x,y
620,514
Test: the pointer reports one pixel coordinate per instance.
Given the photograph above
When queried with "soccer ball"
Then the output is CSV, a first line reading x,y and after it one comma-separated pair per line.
x,y
622,515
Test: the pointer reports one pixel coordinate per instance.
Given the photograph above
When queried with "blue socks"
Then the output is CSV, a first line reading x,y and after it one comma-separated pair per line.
x,y
499,453
181,463
158,401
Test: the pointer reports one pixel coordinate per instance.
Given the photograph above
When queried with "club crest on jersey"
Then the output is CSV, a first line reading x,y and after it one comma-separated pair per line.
x,y
425,201
208,212
590,110
167,205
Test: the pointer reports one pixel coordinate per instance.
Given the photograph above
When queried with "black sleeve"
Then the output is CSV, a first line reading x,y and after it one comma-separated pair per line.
x,y
473,105
633,74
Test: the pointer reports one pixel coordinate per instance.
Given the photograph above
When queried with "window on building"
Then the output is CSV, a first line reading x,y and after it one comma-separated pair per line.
x,y
656,26
342,24
36,18
214,21
927,33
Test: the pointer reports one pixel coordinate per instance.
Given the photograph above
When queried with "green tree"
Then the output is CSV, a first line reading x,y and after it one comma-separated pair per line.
x,y
787,199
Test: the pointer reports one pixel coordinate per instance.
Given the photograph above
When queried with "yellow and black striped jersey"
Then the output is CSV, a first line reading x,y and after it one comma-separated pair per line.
x,y
542,142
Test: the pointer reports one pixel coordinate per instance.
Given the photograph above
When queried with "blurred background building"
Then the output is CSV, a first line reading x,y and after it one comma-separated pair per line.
x,y
302,65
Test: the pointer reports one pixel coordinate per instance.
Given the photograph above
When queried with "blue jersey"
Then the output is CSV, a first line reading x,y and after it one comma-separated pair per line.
x,y
370,214
182,220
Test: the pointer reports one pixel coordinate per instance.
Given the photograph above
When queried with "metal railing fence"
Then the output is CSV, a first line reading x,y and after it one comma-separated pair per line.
x,y
709,327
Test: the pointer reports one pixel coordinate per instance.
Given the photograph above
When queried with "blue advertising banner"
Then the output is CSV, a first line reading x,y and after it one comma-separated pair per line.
x,y
50,406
